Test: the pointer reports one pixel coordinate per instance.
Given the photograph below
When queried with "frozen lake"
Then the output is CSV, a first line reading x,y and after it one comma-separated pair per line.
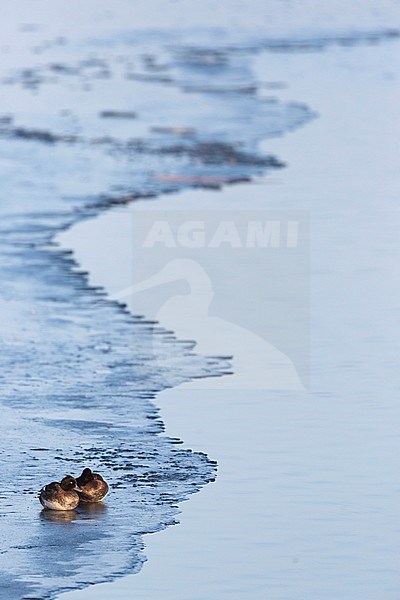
x,y
305,503
289,390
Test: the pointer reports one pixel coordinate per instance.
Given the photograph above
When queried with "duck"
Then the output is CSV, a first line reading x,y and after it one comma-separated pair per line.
x,y
60,496
92,487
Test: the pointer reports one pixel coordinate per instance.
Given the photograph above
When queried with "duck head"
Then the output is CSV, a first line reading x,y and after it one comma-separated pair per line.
x,y
86,476
69,483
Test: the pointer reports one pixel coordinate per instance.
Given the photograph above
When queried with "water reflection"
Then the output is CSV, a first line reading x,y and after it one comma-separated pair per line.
x,y
94,511
58,516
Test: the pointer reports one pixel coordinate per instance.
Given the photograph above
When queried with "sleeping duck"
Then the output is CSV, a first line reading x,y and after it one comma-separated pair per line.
x,y
60,496
92,487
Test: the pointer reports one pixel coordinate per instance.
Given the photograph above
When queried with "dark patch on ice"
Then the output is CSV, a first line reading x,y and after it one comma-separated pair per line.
x,y
41,136
118,114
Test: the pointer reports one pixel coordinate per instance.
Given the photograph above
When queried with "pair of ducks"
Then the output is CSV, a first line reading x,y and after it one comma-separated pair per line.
x,y
66,495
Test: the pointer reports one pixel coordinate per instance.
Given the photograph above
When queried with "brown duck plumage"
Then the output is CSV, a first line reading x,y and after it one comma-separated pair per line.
x,y
92,486
60,496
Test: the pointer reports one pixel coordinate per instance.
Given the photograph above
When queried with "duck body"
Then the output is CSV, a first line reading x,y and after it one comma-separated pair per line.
x,y
92,487
60,496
